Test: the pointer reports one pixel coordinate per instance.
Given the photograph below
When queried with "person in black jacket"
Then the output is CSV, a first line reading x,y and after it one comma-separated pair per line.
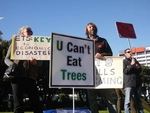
x,y
102,48
131,79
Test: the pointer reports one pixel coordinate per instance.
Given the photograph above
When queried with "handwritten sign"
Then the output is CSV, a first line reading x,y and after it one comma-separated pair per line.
x,y
23,48
72,62
109,72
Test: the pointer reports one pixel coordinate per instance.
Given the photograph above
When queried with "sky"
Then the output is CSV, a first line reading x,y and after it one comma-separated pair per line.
x,y
70,17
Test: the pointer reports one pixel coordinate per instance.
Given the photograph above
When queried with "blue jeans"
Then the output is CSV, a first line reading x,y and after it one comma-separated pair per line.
x,y
128,96
135,94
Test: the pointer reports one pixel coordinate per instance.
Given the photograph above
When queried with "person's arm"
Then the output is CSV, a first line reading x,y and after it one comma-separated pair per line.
x,y
7,60
127,69
108,51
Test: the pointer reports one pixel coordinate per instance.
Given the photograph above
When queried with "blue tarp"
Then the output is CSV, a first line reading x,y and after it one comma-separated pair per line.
x,y
68,110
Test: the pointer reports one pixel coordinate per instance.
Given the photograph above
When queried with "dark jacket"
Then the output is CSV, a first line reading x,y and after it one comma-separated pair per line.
x,y
25,68
131,73
102,47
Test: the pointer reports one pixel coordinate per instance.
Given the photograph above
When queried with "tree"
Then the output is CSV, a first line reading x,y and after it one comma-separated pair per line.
x,y
145,74
5,87
148,72
3,49
145,70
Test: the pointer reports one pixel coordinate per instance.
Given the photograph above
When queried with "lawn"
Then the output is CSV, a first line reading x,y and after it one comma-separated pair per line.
x,y
104,111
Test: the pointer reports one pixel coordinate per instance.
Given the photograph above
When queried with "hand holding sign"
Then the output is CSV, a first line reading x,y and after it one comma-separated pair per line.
x,y
33,61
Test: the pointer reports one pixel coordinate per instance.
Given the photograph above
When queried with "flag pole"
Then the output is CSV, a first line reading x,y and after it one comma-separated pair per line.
x,y
129,43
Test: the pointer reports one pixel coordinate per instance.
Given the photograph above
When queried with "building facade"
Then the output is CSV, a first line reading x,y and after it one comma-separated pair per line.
x,y
142,54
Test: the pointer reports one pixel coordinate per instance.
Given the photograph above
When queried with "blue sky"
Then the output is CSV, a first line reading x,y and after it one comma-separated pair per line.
x,y
71,16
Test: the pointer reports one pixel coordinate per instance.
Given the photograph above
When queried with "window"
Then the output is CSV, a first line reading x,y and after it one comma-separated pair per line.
x,y
141,60
140,57
148,57
148,52
140,53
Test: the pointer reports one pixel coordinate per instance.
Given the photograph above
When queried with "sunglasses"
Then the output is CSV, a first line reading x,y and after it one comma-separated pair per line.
x,y
128,52
28,31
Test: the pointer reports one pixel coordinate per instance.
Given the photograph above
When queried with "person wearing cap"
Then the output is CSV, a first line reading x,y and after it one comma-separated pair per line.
x,y
26,78
131,82
102,48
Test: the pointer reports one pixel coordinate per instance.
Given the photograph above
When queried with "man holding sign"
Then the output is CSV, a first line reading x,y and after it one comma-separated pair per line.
x,y
102,48
132,81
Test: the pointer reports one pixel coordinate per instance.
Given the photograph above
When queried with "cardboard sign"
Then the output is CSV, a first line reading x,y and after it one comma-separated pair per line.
x,y
72,62
38,47
109,72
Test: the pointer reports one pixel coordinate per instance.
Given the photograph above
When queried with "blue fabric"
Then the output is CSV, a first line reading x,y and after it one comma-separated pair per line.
x,y
127,101
67,110
135,94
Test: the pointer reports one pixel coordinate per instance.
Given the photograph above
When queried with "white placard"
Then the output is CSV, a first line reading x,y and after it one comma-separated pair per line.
x,y
23,48
109,72
72,62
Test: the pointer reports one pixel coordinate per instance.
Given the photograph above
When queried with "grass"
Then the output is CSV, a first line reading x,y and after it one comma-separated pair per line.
x,y
102,111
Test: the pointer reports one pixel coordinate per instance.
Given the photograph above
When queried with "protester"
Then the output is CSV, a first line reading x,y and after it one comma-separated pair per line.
x,y
120,93
26,78
102,48
131,77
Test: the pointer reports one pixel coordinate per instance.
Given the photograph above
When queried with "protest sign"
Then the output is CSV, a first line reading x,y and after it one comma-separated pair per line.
x,y
109,72
125,30
23,48
72,62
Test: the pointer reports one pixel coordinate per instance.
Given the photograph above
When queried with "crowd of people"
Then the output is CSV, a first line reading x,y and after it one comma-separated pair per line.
x,y
27,74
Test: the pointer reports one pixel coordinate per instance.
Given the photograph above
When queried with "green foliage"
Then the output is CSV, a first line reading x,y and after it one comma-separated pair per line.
x,y
145,70
3,50
148,72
